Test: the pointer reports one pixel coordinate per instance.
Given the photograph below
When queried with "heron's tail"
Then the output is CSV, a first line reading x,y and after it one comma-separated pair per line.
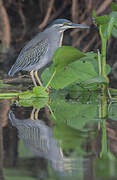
x,y
12,71
11,116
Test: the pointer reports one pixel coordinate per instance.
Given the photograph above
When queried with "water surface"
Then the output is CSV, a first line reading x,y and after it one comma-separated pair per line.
x,y
78,144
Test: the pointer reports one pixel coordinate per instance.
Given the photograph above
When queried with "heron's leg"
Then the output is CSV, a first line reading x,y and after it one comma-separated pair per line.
x,y
32,116
37,77
36,114
33,79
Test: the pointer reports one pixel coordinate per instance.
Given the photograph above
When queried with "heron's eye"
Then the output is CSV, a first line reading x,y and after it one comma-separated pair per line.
x,y
67,24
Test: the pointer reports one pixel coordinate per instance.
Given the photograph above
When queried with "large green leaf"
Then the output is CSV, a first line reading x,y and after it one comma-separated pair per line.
x,y
65,55
72,69
77,71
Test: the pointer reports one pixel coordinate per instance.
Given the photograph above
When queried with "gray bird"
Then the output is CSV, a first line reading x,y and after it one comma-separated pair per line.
x,y
38,53
38,138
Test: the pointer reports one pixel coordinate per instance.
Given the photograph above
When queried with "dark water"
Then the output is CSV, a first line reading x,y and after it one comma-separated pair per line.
x,y
78,145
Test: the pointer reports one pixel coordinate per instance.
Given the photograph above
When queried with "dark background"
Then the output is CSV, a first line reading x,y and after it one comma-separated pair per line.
x,y
21,20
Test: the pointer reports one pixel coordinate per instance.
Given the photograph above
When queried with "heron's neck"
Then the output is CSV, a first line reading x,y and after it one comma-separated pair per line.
x,y
61,39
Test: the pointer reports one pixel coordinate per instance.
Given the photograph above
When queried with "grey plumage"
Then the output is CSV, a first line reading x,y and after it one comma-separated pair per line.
x,y
29,57
38,53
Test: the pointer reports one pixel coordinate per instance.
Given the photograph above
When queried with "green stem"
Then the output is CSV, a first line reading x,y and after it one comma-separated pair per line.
x,y
99,63
9,94
104,110
104,148
51,112
50,80
103,64
104,57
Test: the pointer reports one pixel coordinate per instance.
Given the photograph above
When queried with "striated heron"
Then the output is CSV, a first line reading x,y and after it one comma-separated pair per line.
x,y
38,53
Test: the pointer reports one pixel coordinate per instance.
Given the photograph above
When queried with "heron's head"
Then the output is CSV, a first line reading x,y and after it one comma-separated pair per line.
x,y
63,24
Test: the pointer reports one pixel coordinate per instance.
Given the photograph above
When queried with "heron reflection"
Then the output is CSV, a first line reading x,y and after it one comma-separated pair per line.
x,y
38,138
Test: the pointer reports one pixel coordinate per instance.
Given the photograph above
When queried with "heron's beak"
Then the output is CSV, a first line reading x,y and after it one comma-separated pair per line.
x,y
73,25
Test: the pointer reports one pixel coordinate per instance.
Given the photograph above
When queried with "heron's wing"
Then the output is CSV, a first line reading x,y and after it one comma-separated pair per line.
x,y
30,55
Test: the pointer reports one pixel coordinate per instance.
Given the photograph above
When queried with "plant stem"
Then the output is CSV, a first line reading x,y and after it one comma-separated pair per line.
x,y
51,112
99,63
104,109
103,64
104,57
50,80
9,94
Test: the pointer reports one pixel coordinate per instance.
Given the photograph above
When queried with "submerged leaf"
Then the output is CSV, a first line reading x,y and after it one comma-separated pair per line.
x,y
37,98
75,115
70,138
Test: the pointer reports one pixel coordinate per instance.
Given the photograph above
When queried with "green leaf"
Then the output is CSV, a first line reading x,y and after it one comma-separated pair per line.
x,y
66,55
77,71
27,95
37,98
114,32
106,29
114,6
75,90
113,14
106,24
108,69
2,85
71,138
101,20
73,70
73,113
113,112
97,80
37,103
40,92
40,103
91,55
26,102
110,27
94,13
